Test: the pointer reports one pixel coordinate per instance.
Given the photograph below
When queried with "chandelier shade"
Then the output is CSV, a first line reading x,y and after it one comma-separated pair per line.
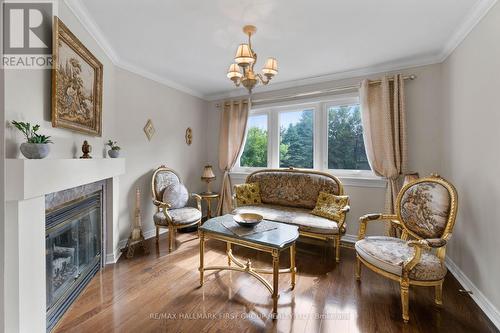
x,y
234,71
244,55
271,67
242,71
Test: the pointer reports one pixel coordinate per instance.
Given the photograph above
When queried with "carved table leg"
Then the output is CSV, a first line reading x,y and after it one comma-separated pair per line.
x,y
228,251
202,255
276,267
293,269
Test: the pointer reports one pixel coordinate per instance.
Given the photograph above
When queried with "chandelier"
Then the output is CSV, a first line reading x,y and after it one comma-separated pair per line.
x,y
242,72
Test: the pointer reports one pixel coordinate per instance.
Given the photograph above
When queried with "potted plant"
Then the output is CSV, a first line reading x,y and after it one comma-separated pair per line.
x,y
114,152
36,145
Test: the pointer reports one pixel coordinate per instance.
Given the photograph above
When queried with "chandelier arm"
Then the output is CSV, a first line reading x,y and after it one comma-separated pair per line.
x,y
264,81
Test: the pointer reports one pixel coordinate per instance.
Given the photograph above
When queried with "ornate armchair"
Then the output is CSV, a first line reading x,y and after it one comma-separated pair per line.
x,y
170,197
425,213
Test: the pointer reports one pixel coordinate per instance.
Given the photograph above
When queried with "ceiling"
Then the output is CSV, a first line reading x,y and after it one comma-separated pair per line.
x,y
189,44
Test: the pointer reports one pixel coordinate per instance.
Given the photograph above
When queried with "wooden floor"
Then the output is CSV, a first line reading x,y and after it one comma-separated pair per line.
x,y
160,293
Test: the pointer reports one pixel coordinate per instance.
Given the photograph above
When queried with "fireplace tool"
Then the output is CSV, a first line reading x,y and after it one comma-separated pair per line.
x,y
136,238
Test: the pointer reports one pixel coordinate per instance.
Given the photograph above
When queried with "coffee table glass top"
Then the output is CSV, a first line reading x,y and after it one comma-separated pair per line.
x,y
283,236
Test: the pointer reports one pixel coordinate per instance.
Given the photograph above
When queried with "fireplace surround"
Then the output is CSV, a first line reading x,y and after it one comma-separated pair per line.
x,y
28,188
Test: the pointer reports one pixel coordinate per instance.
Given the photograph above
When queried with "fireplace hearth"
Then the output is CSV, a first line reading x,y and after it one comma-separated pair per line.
x,y
73,246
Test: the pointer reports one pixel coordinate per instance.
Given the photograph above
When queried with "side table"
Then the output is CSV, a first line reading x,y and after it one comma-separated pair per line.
x,y
208,197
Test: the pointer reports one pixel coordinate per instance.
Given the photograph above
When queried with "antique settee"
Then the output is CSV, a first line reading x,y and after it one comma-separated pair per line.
x,y
289,196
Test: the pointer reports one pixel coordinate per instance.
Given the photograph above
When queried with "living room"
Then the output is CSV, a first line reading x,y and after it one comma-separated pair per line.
x,y
158,176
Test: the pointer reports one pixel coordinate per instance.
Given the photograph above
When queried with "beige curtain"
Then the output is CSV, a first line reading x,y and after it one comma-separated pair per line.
x,y
384,132
231,141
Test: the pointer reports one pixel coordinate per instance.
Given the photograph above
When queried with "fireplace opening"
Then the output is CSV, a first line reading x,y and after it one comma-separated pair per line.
x,y
74,246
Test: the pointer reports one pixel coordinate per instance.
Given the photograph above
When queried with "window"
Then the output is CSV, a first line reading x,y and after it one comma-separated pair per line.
x,y
255,153
326,135
346,149
296,139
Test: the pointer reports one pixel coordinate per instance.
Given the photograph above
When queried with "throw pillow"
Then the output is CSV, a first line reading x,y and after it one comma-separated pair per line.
x,y
176,194
329,205
248,194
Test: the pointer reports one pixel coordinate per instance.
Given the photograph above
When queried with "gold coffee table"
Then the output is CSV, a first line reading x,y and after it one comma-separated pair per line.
x,y
273,241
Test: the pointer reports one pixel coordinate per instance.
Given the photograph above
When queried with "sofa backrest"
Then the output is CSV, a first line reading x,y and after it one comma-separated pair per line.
x,y
294,187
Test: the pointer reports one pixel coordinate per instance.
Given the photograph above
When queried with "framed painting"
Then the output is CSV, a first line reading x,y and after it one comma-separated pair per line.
x,y
76,83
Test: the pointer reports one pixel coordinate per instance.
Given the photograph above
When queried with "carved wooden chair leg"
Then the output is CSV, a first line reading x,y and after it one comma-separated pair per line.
x,y
438,297
405,298
358,269
157,234
170,237
337,249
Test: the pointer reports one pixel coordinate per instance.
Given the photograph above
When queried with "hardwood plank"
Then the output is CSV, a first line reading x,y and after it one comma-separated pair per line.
x,y
160,292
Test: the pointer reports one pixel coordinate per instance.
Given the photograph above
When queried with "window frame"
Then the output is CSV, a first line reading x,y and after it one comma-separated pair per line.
x,y
319,108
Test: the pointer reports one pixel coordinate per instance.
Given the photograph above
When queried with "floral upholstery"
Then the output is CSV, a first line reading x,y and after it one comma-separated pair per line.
x,y
162,180
248,194
293,215
425,208
329,205
175,194
183,215
389,254
295,189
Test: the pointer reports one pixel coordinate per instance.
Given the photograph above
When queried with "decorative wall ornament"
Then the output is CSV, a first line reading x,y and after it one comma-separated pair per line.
x,y
86,150
189,136
149,129
76,83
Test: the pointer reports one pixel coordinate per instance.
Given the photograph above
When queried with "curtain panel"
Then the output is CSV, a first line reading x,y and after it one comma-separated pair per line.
x,y
233,125
384,132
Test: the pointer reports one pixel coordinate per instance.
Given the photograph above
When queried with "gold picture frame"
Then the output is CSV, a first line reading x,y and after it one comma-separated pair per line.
x,y
76,83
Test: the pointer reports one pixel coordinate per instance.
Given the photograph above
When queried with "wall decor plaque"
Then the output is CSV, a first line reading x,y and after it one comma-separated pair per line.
x,y
76,83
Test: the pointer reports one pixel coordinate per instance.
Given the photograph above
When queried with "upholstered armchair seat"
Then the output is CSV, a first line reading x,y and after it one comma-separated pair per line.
x,y
171,197
389,254
178,216
301,217
425,215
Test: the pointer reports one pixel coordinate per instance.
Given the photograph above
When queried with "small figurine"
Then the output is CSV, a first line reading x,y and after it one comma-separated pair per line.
x,y
86,149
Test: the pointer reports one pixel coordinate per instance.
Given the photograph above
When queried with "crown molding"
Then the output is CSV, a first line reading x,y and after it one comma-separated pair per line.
x,y
361,72
82,14
470,21
475,16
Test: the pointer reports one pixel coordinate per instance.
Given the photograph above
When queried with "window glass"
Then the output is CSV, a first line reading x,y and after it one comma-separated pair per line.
x,y
346,149
255,151
296,139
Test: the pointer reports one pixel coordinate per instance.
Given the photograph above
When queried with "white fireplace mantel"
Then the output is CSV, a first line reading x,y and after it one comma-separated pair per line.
x,y
32,178
27,183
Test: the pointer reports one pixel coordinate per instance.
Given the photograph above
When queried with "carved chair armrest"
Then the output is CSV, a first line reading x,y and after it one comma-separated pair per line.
x,y
363,221
419,245
198,200
343,212
345,209
161,204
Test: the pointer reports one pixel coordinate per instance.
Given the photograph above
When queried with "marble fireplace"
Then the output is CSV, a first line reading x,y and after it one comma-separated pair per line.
x,y
61,227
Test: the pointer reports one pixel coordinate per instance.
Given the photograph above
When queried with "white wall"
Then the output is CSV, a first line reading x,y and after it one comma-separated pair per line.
x,y
28,95
471,86
2,197
423,98
172,112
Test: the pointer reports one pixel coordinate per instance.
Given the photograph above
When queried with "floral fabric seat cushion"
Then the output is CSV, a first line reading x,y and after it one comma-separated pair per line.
x,y
179,216
294,189
389,254
297,216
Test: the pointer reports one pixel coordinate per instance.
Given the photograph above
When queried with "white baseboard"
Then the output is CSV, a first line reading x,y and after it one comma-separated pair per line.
x,y
489,309
112,258
349,238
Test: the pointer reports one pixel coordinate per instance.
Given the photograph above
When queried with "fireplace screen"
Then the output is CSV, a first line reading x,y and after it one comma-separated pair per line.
x,y
73,252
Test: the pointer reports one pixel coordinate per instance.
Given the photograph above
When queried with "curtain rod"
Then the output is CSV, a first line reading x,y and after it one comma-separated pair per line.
x,y
316,93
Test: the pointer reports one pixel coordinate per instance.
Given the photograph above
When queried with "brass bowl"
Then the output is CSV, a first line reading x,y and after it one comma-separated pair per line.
x,y
248,219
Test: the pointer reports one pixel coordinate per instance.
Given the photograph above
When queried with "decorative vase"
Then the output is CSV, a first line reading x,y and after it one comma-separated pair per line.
x,y
114,153
35,150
